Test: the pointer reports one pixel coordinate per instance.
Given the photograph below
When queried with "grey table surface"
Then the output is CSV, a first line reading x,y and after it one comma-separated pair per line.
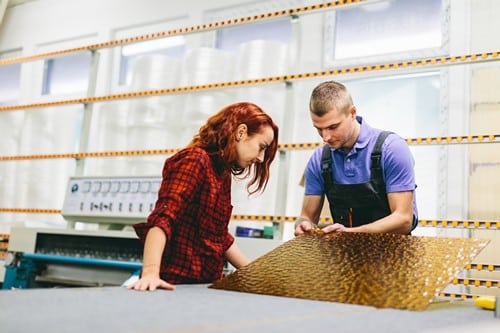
x,y
197,308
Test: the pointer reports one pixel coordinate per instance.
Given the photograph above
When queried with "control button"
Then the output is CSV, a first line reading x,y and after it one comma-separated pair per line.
x,y
96,186
86,187
115,187
134,187
145,187
124,187
105,187
155,186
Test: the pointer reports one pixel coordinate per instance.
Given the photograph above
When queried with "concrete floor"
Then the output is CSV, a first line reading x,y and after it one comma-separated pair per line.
x,y
196,308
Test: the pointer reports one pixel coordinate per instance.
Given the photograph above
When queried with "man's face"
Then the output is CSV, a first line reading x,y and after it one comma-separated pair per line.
x,y
336,128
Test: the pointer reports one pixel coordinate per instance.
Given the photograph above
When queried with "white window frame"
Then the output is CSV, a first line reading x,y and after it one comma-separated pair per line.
x,y
329,34
134,31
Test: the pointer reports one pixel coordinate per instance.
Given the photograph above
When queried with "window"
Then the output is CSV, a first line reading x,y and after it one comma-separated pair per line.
x,y
403,28
66,74
229,39
10,77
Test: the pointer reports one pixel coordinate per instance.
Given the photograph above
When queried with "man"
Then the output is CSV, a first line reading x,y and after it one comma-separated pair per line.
x,y
367,174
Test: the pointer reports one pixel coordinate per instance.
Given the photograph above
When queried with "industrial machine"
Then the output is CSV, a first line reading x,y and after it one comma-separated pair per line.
x,y
108,255
63,257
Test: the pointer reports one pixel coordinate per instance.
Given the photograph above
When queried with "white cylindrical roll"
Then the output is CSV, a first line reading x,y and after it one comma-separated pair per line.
x,y
207,65
199,107
261,58
10,127
111,131
271,98
43,182
154,111
155,71
49,131
154,123
110,134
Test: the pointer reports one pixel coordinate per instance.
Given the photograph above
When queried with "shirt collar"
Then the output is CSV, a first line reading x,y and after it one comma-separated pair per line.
x,y
364,134
363,138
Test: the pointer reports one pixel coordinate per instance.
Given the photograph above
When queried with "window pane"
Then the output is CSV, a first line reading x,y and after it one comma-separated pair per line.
x,y
229,39
388,27
10,78
174,47
9,82
67,74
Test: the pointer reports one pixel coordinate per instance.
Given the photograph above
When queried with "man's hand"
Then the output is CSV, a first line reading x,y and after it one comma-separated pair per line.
x,y
304,227
307,227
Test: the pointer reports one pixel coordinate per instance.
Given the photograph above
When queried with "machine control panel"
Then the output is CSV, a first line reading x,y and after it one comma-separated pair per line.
x,y
110,199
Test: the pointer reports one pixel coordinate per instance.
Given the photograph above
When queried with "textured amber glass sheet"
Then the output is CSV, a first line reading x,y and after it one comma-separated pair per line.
x,y
380,270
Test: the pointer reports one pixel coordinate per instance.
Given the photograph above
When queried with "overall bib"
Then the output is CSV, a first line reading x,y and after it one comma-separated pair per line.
x,y
356,204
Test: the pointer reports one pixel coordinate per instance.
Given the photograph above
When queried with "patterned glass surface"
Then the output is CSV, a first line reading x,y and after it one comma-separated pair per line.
x,y
380,270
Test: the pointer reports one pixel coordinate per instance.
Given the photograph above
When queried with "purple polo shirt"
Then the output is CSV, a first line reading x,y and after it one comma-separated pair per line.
x,y
354,167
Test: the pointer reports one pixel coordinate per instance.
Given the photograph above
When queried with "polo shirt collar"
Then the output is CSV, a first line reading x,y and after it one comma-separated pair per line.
x,y
363,138
364,134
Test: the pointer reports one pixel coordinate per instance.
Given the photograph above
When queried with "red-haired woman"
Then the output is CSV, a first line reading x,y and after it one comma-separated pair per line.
x,y
186,237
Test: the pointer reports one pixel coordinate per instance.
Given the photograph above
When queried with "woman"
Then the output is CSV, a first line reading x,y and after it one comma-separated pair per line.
x,y
186,238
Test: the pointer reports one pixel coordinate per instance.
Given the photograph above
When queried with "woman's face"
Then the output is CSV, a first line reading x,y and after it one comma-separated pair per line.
x,y
251,149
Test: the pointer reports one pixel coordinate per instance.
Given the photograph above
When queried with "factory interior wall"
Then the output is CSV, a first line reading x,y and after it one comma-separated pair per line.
x,y
36,27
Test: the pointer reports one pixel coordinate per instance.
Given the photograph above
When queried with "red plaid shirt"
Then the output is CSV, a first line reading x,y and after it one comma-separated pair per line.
x,y
193,209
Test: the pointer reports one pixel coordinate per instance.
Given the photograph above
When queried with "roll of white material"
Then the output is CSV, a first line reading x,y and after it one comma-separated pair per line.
x,y
42,183
154,111
111,131
110,134
270,97
154,123
207,65
155,71
199,107
261,58
10,127
49,131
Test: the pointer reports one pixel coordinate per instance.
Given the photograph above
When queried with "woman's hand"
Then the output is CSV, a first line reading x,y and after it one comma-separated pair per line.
x,y
335,227
150,283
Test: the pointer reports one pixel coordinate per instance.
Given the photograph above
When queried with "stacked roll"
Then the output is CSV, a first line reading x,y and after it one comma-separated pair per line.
x,y
42,183
204,65
152,122
110,134
260,59
10,124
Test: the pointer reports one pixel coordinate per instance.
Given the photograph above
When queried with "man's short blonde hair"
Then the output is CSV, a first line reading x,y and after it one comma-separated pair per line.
x,y
328,96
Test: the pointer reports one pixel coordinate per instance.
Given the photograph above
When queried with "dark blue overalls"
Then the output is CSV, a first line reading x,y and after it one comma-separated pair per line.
x,y
356,204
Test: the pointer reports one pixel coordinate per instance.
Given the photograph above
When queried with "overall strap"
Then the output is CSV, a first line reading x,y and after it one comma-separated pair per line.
x,y
376,157
326,166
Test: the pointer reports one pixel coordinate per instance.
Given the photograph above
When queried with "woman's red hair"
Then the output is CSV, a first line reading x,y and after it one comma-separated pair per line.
x,y
218,135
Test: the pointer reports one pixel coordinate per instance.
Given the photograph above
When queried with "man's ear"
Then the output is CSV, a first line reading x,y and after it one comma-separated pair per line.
x,y
353,111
